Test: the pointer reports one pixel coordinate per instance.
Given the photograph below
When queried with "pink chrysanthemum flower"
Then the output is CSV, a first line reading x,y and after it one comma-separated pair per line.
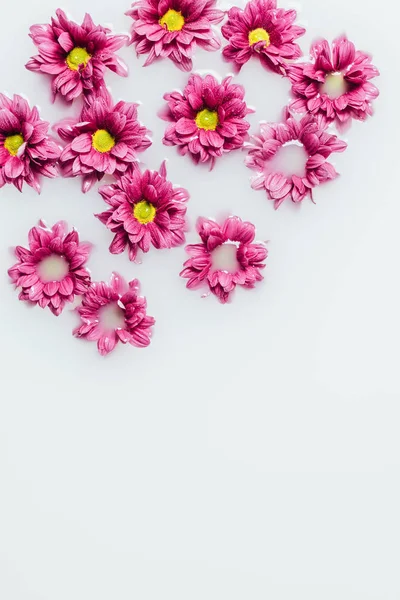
x,y
225,258
26,150
291,158
172,28
264,31
145,209
208,118
76,56
104,139
52,270
114,312
336,84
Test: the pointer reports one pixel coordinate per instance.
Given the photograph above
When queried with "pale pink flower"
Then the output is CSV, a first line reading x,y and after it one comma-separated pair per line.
x,y
262,30
145,209
306,137
104,139
208,118
52,270
75,56
114,312
26,150
172,29
225,258
335,85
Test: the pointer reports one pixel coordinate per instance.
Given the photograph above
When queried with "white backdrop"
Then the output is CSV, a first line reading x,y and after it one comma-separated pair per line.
x,y
252,451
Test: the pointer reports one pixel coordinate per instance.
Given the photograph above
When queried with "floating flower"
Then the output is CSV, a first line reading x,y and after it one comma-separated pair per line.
x,y
208,118
145,209
52,270
263,31
172,28
114,312
104,139
291,158
76,56
225,258
26,150
336,84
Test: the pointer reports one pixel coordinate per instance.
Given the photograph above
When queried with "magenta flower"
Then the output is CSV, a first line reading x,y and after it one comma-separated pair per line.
x,y
336,84
263,31
76,56
208,118
172,28
291,158
145,209
52,270
26,150
225,258
104,139
113,312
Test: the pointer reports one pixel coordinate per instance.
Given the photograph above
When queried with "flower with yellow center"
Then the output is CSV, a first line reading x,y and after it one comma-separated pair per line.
x,y
13,143
172,20
144,212
259,35
207,119
102,141
78,57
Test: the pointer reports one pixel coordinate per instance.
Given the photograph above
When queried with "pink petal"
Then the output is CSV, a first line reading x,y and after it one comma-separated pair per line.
x,y
66,286
13,167
82,143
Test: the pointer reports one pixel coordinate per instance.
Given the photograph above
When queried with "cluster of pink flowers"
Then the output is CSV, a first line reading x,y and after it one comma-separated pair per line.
x,y
52,272
332,89
206,120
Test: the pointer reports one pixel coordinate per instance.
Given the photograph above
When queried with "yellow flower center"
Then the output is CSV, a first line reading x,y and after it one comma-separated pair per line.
x,y
102,141
144,212
259,35
78,57
13,143
172,20
207,119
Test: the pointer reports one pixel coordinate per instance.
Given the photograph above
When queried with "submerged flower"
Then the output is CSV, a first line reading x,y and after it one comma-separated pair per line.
x,y
76,56
114,312
264,31
291,158
225,258
104,139
335,85
144,209
208,118
26,150
172,28
52,270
